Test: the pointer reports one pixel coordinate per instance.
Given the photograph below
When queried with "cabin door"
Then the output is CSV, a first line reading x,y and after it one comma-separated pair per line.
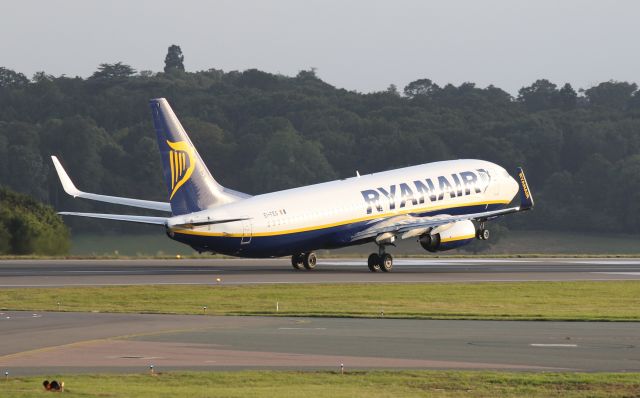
x,y
246,232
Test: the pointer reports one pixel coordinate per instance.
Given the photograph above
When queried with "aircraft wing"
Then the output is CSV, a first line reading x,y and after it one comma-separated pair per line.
x,y
71,189
402,226
120,217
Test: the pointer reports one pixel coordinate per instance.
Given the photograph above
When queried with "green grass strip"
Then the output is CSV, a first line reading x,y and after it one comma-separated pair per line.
x,y
335,385
584,301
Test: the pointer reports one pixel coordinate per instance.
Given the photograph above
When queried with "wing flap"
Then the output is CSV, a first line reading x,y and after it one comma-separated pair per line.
x,y
70,188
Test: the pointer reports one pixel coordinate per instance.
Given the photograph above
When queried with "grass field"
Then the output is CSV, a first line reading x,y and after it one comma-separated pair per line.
x,y
602,301
514,242
330,384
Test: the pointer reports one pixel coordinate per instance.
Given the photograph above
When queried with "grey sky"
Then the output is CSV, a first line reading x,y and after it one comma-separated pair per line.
x,y
357,45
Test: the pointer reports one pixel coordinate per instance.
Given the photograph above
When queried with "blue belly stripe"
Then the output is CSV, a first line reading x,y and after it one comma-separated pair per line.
x,y
301,242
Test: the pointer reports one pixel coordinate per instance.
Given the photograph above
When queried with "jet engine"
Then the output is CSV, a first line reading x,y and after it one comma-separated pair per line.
x,y
447,237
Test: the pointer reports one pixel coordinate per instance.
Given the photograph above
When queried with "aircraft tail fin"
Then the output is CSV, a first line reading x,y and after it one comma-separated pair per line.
x,y
190,184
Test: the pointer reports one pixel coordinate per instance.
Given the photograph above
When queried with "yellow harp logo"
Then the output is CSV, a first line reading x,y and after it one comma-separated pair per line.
x,y
182,162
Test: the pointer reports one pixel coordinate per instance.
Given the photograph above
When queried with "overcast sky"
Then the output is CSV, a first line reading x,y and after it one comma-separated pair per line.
x,y
357,45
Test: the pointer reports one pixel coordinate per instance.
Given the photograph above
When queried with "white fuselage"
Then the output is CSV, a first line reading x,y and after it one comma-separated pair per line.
x,y
329,213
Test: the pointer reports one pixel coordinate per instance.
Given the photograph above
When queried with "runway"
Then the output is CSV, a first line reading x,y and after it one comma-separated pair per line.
x,y
45,273
41,343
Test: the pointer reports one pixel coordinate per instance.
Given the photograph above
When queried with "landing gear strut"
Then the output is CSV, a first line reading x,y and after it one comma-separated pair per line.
x,y
380,261
482,233
306,260
296,261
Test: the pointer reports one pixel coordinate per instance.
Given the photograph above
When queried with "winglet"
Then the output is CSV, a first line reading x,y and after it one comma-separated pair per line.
x,y
71,189
67,184
526,199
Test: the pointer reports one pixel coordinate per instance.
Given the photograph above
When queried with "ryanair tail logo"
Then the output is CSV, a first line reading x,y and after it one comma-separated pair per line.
x,y
525,187
182,162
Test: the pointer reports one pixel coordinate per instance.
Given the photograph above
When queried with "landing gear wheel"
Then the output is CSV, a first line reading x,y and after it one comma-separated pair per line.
x,y
483,234
386,262
309,260
296,261
374,262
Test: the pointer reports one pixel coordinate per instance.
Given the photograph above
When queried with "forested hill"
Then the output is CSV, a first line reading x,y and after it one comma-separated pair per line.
x,y
260,132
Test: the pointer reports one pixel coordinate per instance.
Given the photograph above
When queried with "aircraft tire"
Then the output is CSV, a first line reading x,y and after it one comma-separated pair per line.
x,y
485,234
296,261
386,262
309,260
374,262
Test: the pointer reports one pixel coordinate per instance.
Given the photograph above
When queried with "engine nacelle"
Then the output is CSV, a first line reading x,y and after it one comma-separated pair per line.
x,y
459,234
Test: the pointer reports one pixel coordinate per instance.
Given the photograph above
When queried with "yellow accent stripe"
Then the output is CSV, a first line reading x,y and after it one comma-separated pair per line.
x,y
457,238
339,223
173,172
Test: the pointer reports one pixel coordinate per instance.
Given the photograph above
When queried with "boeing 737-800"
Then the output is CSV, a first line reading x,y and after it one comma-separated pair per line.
x,y
443,205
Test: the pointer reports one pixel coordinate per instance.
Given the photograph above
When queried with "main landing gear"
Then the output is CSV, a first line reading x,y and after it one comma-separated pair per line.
x,y
304,260
482,233
380,261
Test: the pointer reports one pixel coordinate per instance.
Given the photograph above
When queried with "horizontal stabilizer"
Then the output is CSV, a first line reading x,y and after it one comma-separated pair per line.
x,y
71,189
120,217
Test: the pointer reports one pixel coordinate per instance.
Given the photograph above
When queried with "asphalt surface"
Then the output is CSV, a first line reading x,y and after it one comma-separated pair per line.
x,y
34,273
54,343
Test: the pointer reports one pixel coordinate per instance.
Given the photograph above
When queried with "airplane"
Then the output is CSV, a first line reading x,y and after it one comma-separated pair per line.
x,y
443,205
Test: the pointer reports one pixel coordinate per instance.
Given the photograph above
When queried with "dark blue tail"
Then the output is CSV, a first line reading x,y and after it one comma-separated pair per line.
x,y
190,184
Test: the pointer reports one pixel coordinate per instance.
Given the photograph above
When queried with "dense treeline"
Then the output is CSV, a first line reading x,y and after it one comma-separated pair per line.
x,y
261,132
29,227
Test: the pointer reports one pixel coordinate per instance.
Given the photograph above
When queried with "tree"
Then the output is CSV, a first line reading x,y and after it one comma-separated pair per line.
x,y
420,87
41,76
541,95
289,160
174,61
567,97
611,94
9,78
29,227
393,90
117,71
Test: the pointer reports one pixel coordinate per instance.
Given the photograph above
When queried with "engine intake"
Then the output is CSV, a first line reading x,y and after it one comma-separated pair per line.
x,y
430,243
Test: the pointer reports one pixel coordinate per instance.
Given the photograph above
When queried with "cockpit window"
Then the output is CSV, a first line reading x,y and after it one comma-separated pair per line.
x,y
485,179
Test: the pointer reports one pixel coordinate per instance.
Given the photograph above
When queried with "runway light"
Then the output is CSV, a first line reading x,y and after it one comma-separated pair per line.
x,y
151,369
341,368
178,256
218,280
6,375
277,306
58,306
204,309
382,313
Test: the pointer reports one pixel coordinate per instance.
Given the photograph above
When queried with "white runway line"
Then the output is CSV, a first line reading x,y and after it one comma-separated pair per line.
x,y
605,262
426,261
618,273
553,345
138,272
302,328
